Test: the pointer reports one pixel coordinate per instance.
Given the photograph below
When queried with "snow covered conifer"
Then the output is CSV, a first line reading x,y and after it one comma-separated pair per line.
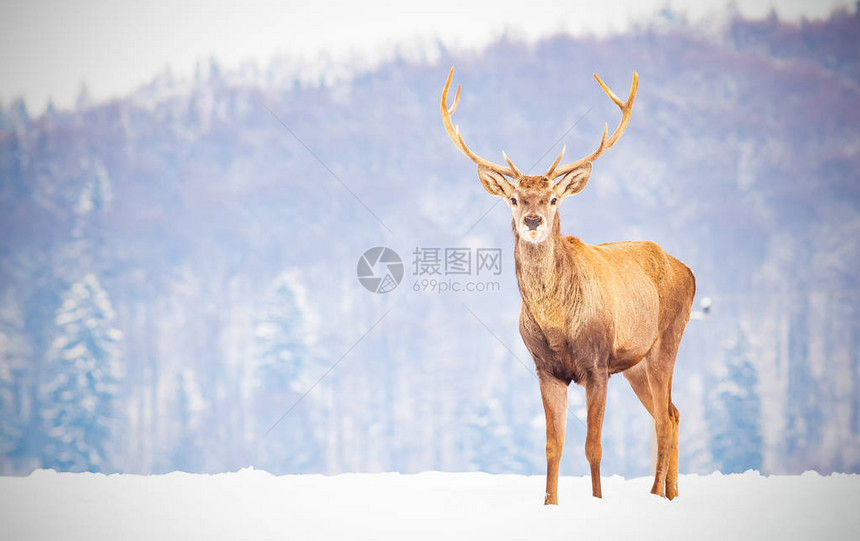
x,y
14,371
735,412
97,193
283,372
81,380
10,421
282,336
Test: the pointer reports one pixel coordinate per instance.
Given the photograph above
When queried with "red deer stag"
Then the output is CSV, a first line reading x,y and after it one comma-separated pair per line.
x,y
590,311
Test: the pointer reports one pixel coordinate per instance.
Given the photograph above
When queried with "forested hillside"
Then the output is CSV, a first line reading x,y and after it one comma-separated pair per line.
x,y
178,267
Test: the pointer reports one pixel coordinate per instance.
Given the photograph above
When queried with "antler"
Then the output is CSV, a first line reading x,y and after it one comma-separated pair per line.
x,y
454,134
626,109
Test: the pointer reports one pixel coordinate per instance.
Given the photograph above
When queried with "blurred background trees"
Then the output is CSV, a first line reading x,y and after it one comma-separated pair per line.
x,y
177,270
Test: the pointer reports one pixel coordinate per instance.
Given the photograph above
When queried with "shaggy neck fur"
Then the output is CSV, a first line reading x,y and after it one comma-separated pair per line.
x,y
546,273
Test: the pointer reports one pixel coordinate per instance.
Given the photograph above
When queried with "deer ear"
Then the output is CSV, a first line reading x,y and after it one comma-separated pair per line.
x,y
573,182
494,182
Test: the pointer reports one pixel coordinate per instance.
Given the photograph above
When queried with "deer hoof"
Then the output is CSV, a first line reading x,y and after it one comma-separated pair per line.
x,y
671,492
659,491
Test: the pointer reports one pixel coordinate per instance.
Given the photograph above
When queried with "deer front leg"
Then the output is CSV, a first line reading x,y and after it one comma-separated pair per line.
x,y
554,394
595,400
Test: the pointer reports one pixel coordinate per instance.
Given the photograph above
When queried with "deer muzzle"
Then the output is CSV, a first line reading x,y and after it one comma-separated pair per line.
x,y
532,222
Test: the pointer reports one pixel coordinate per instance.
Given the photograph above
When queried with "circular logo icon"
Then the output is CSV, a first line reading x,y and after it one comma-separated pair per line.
x,y
380,269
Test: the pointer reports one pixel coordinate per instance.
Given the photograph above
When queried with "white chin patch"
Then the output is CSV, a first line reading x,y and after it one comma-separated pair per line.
x,y
533,235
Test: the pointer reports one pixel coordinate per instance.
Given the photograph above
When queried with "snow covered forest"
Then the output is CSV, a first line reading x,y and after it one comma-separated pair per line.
x,y
178,283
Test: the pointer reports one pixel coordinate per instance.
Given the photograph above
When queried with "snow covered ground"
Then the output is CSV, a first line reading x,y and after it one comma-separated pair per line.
x,y
253,504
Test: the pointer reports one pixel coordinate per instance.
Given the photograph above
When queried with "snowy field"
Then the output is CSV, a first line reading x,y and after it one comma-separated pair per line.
x,y
255,505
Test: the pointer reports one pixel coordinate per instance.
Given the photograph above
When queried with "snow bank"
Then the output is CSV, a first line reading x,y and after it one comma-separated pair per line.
x,y
253,504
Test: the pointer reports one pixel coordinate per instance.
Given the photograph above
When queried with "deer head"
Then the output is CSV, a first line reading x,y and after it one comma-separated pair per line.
x,y
534,200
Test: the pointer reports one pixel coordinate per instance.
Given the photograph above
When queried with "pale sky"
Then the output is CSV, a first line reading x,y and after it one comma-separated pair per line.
x,y
48,48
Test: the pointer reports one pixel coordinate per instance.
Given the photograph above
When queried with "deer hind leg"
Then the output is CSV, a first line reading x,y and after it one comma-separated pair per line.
x,y
664,425
666,417
554,394
672,474
651,381
670,341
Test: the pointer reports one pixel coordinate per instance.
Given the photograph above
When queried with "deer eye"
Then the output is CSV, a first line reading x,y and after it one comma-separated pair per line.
x,y
513,200
554,201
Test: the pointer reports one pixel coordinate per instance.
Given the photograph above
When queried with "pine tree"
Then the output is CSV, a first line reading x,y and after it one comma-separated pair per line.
x,y
282,374
805,407
11,423
82,375
14,377
281,338
735,412
188,453
97,191
18,113
84,99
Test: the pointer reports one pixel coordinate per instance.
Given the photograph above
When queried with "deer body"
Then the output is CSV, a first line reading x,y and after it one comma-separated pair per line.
x,y
590,311
591,314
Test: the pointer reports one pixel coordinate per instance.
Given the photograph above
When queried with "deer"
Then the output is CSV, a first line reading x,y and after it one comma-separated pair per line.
x,y
590,311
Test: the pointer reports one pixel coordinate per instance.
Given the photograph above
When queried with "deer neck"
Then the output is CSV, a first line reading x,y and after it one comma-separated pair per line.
x,y
546,273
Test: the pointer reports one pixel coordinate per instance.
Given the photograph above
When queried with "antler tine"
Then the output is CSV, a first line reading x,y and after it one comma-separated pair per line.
x,y
609,92
454,133
511,164
456,100
626,109
555,163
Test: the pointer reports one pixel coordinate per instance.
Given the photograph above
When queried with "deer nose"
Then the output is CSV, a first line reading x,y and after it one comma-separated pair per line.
x,y
532,222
